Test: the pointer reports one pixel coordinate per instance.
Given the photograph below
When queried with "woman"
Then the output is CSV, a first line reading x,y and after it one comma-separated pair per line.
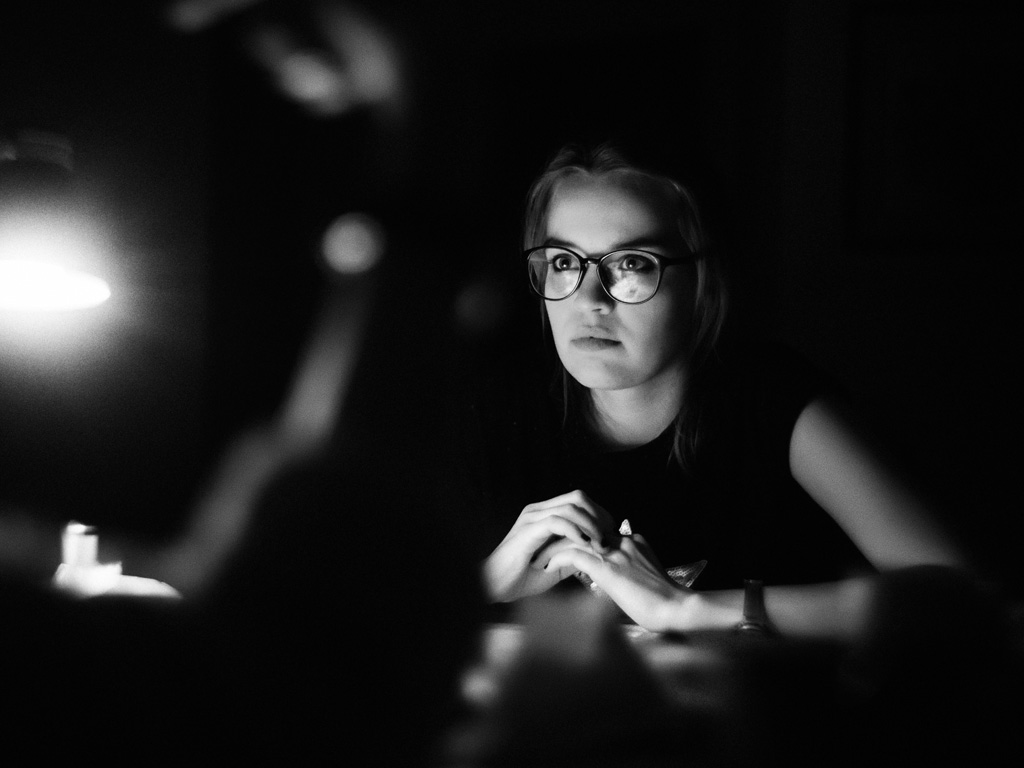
x,y
734,454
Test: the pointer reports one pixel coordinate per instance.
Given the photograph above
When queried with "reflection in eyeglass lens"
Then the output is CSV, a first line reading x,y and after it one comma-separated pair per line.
x,y
630,276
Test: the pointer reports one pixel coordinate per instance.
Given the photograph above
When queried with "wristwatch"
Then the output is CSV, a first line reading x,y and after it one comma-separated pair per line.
x,y
755,616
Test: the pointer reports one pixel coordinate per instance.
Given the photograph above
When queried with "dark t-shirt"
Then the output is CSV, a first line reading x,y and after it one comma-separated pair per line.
x,y
738,507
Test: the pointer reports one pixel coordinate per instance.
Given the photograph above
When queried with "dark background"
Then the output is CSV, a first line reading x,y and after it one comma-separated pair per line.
x,y
860,160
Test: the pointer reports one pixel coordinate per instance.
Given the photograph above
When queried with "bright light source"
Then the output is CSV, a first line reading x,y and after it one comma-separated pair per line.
x,y
48,261
32,285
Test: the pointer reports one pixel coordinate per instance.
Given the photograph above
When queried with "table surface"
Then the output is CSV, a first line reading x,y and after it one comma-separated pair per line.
x,y
571,682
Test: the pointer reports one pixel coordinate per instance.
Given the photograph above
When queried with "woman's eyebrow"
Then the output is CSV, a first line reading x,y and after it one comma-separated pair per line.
x,y
639,242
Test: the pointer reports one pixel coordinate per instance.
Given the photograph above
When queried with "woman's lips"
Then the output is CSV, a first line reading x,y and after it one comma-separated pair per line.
x,y
594,343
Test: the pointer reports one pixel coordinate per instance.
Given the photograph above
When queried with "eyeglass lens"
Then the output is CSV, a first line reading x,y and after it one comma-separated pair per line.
x,y
628,276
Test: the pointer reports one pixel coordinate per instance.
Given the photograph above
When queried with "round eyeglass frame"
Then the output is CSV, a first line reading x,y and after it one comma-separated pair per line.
x,y
586,261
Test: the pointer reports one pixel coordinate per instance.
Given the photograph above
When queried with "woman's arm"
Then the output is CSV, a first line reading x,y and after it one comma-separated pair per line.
x,y
851,479
848,475
632,577
835,609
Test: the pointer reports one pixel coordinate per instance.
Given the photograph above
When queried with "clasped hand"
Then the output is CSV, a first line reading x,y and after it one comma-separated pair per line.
x,y
552,540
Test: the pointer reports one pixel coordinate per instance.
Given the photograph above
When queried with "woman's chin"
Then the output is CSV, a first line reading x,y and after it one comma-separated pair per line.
x,y
602,377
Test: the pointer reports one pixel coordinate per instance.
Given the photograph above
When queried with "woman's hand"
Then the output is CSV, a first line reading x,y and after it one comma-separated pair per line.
x,y
631,576
519,566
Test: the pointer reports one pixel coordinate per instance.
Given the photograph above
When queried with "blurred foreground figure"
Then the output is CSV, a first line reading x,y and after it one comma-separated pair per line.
x,y
343,619
331,608
327,608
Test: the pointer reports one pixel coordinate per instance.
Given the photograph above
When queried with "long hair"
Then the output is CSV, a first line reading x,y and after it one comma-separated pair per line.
x,y
710,305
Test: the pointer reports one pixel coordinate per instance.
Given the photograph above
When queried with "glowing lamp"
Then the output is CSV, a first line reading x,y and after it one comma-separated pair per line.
x,y
31,285
45,248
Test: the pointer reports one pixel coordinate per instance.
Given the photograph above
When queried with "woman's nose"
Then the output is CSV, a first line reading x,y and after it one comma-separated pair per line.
x,y
591,295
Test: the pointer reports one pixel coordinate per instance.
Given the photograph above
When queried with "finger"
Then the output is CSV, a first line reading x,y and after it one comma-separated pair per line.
x,y
542,530
576,559
578,517
579,499
572,497
554,546
633,544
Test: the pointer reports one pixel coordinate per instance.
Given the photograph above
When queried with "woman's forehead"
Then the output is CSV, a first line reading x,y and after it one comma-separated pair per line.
x,y
612,207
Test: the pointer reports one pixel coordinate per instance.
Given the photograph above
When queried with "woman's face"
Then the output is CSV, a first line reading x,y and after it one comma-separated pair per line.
x,y
605,344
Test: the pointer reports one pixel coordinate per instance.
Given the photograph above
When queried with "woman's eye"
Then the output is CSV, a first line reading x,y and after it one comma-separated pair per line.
x,y
636,264
563,263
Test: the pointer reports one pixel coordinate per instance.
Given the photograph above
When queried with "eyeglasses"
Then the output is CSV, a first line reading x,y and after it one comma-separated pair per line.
x,y
631,276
